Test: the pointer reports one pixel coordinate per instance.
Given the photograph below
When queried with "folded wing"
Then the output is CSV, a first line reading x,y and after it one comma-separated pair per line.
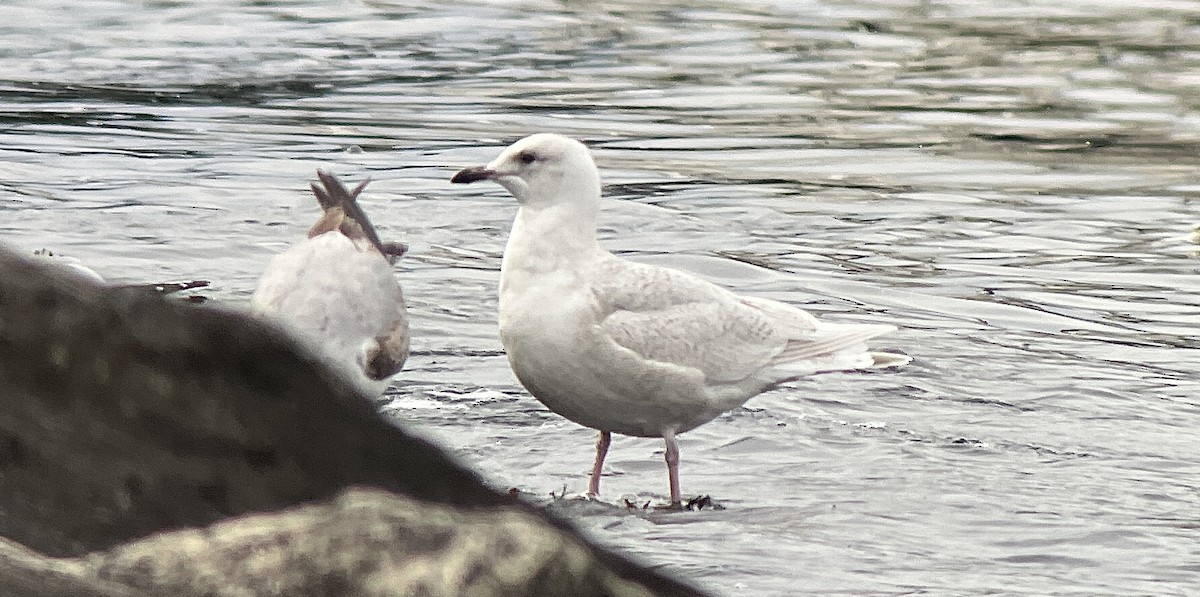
x,y
673,317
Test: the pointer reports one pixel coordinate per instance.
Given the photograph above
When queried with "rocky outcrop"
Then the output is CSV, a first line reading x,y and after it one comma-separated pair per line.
x,y
156,447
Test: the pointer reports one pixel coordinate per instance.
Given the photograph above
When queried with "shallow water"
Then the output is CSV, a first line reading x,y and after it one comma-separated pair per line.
x,y
1013,184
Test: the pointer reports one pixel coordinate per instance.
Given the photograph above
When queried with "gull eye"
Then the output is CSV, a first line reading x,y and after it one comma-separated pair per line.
x,y
527,157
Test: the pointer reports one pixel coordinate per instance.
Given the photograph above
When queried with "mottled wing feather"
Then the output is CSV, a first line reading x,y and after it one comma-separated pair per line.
x,y
394,250
829,341
333,195
791,321
673,317
331,219
809,338
388,352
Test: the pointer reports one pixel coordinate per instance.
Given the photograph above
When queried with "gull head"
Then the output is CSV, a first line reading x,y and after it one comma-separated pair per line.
x,y
541,171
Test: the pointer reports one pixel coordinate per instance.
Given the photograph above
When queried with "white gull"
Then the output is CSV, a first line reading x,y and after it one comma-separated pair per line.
x,y
70,265
630,348
337,292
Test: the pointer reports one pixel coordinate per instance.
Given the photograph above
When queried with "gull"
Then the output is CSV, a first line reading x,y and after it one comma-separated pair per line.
x,y
630,348
337,292
75,268
70,265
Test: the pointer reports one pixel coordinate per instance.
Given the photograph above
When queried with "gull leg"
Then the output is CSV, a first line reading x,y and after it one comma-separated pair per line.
x,y
602,444
672,458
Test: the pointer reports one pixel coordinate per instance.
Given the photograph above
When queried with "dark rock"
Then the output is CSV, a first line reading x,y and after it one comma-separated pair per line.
x,y
128,420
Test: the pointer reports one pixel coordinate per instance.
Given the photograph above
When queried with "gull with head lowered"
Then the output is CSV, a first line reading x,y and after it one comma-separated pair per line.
x,y
630,348
336,291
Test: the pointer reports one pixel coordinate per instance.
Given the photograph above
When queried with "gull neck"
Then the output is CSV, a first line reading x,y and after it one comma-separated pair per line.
x,y
551,238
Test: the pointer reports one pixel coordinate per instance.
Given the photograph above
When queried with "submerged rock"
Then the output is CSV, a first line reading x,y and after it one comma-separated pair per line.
x,y
150,446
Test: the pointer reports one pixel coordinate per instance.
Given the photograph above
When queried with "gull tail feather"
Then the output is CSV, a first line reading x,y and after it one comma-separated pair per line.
x,y
836,347
818,347
883,360
830,339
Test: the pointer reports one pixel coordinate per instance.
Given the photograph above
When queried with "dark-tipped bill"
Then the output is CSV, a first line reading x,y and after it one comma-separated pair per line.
x,y
473,174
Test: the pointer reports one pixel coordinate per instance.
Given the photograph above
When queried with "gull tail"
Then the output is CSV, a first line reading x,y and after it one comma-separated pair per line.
x,y
819,347
835,347
343,213
884,360
844,341
831,339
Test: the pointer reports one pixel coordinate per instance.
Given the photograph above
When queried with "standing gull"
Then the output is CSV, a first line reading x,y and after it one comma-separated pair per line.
x,y
336,290
629,348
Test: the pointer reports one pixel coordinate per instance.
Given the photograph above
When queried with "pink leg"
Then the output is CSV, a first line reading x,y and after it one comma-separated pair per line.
x,y
602,444
672,457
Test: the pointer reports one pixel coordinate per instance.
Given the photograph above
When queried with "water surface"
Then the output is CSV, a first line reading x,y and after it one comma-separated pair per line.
x,y
1013,184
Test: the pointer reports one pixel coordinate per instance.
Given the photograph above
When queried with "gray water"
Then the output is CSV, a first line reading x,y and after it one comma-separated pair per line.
x,y
1012,183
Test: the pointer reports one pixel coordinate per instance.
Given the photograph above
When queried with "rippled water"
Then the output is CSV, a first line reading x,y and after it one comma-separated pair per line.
x,y
1012,183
